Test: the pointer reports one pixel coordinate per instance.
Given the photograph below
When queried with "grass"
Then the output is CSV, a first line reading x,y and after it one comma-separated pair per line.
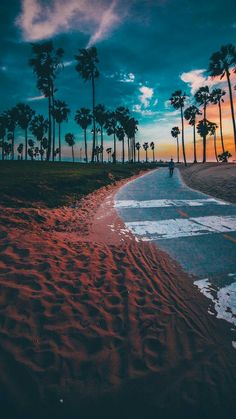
x,y
46,184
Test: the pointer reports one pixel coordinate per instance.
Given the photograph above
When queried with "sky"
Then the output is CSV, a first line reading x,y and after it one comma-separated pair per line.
x,y
147,49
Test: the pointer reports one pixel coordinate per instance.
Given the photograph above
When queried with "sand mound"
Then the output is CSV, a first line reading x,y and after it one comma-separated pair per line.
x,y
94,324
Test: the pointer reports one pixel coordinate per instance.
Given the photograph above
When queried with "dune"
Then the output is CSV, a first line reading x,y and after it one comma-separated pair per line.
x,y
97,325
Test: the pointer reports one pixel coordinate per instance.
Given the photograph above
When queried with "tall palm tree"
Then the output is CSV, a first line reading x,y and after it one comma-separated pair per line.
x,y
145,147
203,97
87,68
20,149
205,127
25,115
100,115
2,133
175,134
190,115
212,127
123,116
111,127
84,118
46,62
223,63
217,99
138,146
152,146
177,100
60,112
39,127
131,127
120,133
70,140
108,150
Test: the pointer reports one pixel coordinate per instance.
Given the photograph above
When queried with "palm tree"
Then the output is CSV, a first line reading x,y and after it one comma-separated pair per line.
x,y
131,127
87,68
205,127
145,147
212,131
217,99
152,146
120,133
70,140
2,133
175,134
46,61
39,127
177,100
31,149
221,63
138,146
108,150
25,115
11,120
60,113
100,114
203,97
111,127
20,149
190,115
84,118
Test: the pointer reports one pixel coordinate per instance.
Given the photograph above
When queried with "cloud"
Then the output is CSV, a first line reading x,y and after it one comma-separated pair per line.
x,y
35,98
38,20
146,95
196,79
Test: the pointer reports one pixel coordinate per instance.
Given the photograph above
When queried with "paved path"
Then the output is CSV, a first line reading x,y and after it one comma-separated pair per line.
x,y
193,228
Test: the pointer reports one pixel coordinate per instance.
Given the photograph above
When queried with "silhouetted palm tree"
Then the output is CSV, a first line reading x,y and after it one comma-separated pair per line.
x,y
39,127
120,133
175,134
204,128
11,120
70,140
212,131
111,127
25,115
203,97
84,118
46,61
31,149
190,115
108,150
138,146
87,68
131,127
223,63
123,116
2,133
145,147
20,149
60,112
177,100
152,146
100,114
217,99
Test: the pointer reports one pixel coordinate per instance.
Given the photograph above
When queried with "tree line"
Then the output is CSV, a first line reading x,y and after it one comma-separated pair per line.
x,y
222,63
46,62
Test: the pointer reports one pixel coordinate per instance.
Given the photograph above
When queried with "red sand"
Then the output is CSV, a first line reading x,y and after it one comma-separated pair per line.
x,y
96,325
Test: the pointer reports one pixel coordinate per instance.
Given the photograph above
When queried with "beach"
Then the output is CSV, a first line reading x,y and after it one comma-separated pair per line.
x,y
95,324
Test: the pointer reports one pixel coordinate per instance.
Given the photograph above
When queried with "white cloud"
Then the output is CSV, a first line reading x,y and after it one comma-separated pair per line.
x,y
196,79
39,21
35,98
146,95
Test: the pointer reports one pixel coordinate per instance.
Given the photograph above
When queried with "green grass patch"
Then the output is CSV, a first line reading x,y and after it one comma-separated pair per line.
x,y
46,184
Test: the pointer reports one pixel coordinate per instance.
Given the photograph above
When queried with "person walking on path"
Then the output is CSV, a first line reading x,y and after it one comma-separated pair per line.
x,y
171,166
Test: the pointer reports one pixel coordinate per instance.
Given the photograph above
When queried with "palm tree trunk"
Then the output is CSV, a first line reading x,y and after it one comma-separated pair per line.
x,y
232,106
123,150
3,140
146,157
49,129
13,145
221,130
73,155
53,129
134,148
114,137
177,149
85,146
102,141
215,147
94,127
128,150
204,136
183,145
138,156
153,155
26,144
59,140
194,145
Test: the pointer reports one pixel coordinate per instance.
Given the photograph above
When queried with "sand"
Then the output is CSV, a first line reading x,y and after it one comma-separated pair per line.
x,y
97,325
218,180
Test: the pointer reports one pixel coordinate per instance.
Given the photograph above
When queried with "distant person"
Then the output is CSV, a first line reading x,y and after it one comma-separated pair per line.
x,y
171,165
